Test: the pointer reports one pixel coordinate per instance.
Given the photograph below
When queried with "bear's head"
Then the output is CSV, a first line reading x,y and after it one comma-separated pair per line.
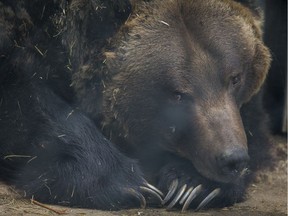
x,y
183,69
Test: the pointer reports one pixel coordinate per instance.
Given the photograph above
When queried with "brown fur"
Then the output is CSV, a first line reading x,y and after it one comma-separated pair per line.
x,y
191,24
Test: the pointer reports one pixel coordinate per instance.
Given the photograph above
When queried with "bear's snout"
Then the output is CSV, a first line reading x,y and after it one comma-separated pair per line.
x,y
232,164
219,149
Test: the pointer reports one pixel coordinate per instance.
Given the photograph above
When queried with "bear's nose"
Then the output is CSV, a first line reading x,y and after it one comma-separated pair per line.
x,y
232,163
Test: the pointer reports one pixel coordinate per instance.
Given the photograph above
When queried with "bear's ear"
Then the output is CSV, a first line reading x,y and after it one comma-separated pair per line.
x,y
255,6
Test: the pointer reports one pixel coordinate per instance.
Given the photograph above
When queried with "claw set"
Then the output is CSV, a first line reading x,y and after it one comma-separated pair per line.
x,y
186,195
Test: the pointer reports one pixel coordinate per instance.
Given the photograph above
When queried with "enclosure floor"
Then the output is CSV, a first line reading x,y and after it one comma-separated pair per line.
x,y
267,196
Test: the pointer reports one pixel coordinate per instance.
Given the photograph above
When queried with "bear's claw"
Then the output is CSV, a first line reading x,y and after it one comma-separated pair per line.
x,y
155,189
177,197
194,193
152,192
185,197
147,189
171,191
138,196
211,196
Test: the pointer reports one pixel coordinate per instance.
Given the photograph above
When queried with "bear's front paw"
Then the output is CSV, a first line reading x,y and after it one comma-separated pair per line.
x,y
184,195
120,190
186,188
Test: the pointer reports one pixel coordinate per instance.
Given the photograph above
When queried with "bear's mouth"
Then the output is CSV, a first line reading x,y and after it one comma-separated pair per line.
x,y
223,165
233,168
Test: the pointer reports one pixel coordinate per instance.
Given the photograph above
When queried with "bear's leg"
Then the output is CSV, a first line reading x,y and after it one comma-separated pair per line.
x,y
56,154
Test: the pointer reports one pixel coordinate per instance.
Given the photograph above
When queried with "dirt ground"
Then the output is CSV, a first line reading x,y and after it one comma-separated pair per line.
x,y
266,197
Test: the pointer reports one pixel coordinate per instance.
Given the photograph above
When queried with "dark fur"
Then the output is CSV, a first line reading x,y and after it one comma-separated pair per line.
x,y
65,75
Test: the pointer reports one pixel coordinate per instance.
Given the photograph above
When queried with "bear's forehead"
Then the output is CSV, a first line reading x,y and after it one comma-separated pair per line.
x,y
207,20
201,30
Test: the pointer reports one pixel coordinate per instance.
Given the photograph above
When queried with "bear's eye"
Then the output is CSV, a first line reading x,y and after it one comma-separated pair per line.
x,y
179,96
236,79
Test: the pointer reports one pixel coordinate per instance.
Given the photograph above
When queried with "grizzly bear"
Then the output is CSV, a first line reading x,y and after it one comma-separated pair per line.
x,y
98,98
